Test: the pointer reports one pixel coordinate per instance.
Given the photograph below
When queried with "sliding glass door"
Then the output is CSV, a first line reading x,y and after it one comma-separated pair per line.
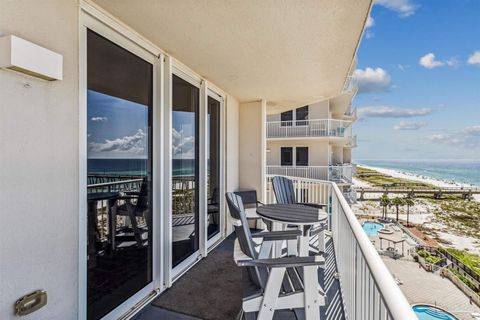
x,y
185,170
119,160
213,167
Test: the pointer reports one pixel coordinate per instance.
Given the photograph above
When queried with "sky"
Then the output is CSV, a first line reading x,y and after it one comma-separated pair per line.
x,y
419,81
117,128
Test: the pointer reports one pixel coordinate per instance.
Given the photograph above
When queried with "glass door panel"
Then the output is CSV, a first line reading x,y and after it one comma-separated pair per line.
x,y
185,169
213,167
119,161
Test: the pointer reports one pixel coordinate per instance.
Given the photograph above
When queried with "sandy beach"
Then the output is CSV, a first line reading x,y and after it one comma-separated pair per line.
x,y
429,215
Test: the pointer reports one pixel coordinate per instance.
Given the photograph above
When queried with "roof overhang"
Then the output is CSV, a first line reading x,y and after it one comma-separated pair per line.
x,y
286,52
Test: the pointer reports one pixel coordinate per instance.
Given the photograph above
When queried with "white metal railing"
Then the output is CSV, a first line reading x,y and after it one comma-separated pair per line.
x,y
351,112
339,174
309,128
368,289
351,85
352,142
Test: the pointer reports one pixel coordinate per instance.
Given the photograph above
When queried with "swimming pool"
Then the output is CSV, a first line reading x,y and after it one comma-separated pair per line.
x,y
424,312
371,228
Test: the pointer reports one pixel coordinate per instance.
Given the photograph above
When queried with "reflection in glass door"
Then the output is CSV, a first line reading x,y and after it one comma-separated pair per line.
x,y
213,167
119,110
185,170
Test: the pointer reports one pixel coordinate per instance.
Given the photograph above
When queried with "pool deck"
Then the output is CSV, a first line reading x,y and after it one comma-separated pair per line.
x,y
420,286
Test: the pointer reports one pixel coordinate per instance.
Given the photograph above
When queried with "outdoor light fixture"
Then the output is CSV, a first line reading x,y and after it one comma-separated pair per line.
x,y
26,57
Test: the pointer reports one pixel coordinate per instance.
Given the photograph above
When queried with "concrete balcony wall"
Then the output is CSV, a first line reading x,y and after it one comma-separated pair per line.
x,y
39,130
252,145
318,151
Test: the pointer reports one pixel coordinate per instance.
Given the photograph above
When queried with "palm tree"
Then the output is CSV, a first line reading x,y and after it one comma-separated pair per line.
x,y
384,202
408,202
397,202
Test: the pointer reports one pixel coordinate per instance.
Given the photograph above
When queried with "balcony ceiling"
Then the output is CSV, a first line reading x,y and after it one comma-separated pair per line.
x,y
287,52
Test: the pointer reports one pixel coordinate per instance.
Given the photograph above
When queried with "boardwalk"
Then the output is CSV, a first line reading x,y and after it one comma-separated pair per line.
x,y
420,286
437,193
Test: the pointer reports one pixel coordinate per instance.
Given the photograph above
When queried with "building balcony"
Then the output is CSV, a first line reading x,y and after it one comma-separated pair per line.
x,y
339,174
351,113
351,86
356,282
352,142
315,128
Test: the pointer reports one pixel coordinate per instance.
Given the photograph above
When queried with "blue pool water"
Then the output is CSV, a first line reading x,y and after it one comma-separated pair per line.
x,y
371,228
432,313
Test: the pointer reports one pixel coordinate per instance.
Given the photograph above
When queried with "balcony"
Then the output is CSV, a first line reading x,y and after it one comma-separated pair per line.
x,y
339,174
314,128
352,142
351,112
350,86
357,283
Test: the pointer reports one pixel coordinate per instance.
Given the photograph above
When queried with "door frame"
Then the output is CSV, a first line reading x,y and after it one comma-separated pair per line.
x,y
91,17
211,92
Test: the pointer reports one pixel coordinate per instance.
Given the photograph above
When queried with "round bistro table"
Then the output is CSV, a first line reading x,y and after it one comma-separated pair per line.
x,y
301,215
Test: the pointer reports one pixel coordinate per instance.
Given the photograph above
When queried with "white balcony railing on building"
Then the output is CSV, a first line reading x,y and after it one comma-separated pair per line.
x,y
339,174
351,112
351,85
309,128
368,288
352,142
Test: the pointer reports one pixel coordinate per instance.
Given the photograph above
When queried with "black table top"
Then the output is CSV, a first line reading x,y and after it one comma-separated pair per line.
x,y
97,196
292,213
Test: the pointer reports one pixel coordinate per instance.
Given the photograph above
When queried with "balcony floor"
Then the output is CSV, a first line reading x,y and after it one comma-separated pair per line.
x,y
212,290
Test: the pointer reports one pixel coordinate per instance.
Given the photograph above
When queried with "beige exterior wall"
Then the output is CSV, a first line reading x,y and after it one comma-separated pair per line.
x,y
39,165
347,155
231,149
318,151
252,145
318,110
337,155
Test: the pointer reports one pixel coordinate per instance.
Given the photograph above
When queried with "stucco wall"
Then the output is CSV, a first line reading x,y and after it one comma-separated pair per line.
x,y
318,151
347,155
337,155
231,150
39,165
319,110
252,146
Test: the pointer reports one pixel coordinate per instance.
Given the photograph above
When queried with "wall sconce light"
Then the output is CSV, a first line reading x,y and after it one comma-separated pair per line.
x,y
26,57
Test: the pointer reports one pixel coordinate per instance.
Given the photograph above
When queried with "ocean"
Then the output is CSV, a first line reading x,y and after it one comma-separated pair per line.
x,y
460,171
136,167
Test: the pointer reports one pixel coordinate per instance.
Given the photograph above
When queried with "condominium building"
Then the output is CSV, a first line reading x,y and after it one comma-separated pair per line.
x,y
314,141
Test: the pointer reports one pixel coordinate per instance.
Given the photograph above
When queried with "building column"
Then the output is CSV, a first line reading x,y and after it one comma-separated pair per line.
x,y
252,153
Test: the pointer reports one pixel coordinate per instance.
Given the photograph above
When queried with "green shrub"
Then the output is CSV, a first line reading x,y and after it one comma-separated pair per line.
x,y
423,253
463,279
432,259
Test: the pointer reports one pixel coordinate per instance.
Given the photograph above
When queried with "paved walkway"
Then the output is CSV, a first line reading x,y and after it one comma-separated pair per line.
x,y
420,286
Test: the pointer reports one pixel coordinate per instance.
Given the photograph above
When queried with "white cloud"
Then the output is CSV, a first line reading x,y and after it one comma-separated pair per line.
x,y
429,62
370,22
99,119
127,145
474,58
452,62
369,34
389,112
404,8
372,80
468,137
410,125
183,146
